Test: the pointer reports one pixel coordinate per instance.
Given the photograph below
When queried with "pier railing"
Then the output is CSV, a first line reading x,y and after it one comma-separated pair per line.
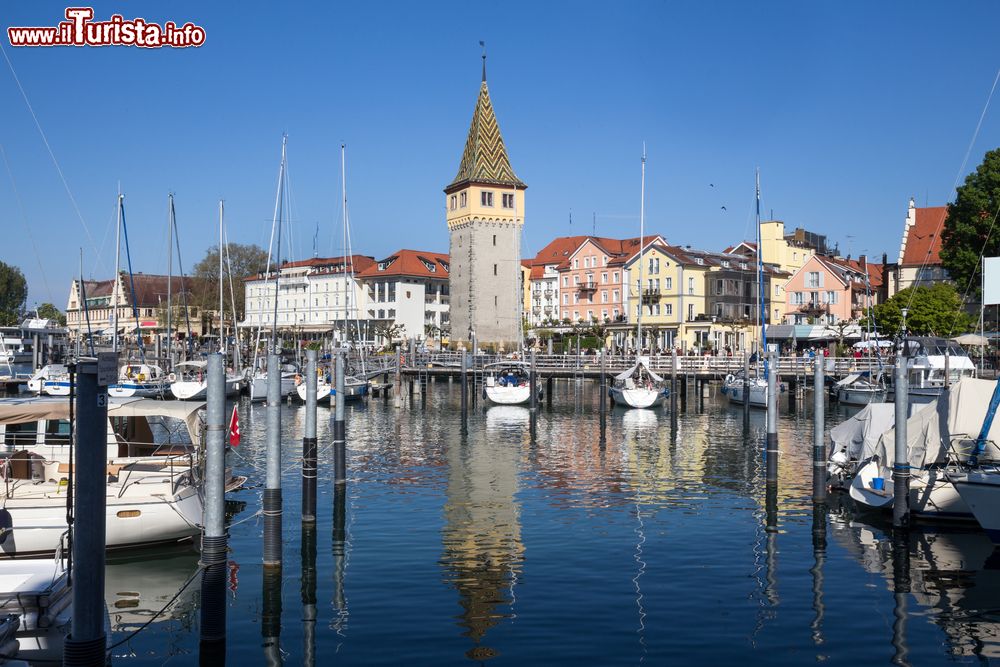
x,y
686,365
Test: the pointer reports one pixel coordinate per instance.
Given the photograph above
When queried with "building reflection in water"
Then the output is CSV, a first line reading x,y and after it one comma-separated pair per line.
x,y
482,549
308,590
340,553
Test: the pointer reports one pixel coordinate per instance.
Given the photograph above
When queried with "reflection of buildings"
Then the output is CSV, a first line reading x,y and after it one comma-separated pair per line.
x,y
482,530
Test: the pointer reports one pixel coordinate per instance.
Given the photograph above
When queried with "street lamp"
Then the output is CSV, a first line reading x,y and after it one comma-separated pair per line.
x,y
905,311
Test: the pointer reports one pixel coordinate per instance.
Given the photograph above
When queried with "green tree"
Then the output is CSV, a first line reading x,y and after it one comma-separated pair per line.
x,y
932,311
50,312
966,235
13,294
244,261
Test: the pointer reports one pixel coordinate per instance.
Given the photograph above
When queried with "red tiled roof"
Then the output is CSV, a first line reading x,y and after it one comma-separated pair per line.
x,y
150,289
922,241
558,250
410,263
322,265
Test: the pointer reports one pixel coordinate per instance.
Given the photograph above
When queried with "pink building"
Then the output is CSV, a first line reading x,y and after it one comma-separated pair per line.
x,y
592,279
827,290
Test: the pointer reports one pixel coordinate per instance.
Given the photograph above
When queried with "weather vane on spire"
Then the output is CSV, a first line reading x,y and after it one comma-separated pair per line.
x,y
483,44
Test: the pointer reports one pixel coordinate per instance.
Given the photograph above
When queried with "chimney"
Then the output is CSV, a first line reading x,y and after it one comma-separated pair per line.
x,y
863,261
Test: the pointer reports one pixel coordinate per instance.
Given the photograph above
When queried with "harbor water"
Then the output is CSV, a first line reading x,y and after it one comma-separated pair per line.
x,y
651,545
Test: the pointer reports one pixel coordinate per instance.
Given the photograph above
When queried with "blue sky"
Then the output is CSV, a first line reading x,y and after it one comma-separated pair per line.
x,y
848,108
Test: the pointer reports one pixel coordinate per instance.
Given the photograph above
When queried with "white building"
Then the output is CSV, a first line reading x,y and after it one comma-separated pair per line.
x,y
409,288
315,297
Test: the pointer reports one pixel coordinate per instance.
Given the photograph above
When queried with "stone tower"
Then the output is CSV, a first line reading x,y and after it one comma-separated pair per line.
x,y
485,205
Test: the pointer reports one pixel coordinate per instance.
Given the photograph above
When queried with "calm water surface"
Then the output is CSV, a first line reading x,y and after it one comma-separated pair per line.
x,y
647,546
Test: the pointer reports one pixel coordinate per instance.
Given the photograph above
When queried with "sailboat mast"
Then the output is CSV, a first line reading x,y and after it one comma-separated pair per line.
x,y
277,256
760,270
343,191
170,278
222,317
642,243
114,286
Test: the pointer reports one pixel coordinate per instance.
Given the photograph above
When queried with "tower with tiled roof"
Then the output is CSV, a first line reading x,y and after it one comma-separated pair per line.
x,y
485,213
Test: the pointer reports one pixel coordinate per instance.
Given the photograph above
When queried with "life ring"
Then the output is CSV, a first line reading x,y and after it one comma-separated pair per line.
x,y
172,377
730,378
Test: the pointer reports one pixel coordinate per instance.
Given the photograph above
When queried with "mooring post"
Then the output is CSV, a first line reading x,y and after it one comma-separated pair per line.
x,y
673,379
213,534
398,385
309,441
533,383
819,435
901,465
272,484
901,595
465,391
550,347
746,388
604,385
772,419
339,428
308,590
86,642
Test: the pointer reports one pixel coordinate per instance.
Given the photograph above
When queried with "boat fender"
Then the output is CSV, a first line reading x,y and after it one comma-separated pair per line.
x,y
172,377
298,380
6,525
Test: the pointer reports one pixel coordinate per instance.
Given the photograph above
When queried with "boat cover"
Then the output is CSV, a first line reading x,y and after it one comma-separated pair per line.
x,y
848,380
22,410
859,434
639,362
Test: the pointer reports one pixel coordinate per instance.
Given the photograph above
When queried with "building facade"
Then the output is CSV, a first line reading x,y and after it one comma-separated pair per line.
x,y
829,290
919,261
485,214
409,289
594,280
544,301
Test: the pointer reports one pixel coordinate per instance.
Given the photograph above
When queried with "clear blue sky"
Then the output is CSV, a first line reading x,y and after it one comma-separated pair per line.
x,y
849,108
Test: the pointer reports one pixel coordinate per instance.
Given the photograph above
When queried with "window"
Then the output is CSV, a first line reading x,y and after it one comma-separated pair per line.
x,y
494,269
690,311
614,295
463,200
586,262
614,277
508,201
604,296
668,284
690,285
605,260
616,312
576,314
565,281
668,309
454,202
797,298
576,262
590,314
576,280
604,277
576,298
494,239
813,279
831,297
604,314
486,198
718,287
565,299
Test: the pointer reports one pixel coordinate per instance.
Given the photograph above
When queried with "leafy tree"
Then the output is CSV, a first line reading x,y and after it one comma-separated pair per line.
x,y
966,235
388,331
933,311
244,261
13,294
50,312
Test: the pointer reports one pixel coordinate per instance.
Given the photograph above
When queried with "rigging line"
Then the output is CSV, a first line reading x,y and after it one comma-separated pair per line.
x,y
24,222
958,176
48,147
131,280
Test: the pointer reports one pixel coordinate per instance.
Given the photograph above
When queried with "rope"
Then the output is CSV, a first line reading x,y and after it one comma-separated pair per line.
x,y
145,625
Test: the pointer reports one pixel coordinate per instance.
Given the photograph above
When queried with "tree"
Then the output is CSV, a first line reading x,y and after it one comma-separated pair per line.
x,y
244,261
50,312
932,311
839,331
966,235
388,331
13,294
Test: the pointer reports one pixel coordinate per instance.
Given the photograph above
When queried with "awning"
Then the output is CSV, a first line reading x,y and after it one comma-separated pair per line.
x,y
23,410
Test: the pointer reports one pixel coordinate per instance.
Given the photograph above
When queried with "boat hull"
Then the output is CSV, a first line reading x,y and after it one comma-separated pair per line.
x,y
638,397
858,396
981,491
758,393
933,497
195,390
517,395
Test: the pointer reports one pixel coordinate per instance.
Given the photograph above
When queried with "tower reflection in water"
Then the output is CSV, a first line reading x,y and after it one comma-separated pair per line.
x,y
481,538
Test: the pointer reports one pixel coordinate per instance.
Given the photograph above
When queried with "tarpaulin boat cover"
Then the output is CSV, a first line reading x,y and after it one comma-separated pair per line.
x,y
859,434
22,410
639,362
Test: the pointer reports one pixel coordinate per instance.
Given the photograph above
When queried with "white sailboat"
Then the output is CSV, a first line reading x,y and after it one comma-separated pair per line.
x,y
508,383
639,386
737,385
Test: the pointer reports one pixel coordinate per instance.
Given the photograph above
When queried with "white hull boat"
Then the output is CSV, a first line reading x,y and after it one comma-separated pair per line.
x,y
638,397
638,387
860,395
733,387
258,385
188,382
932,495
37,595
980,489
508,383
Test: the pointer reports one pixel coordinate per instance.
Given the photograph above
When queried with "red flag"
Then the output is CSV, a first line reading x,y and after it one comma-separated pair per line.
x,y
234,429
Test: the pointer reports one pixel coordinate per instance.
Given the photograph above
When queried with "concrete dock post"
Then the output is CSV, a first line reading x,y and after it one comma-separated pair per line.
x,y
464,379
533,383
819,435
673,380
272,484
309,441
213,534
86,643
901,465
603,391
308,591
772,419
550,347
339,427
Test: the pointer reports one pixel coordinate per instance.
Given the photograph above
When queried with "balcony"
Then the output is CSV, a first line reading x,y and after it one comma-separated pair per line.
x,y
651,294
547,293
587,288
547,309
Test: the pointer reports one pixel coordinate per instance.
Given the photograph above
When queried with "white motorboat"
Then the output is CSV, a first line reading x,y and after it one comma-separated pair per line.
x,y
860,389
139,380
51,380
926,361
144,505
735,385
639,386
508,383
354,388
14,347
188,381
258,382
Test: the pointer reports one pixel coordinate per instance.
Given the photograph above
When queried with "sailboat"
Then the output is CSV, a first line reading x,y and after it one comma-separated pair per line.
x,y
189,380
257,376
736,384
356,384
639,386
